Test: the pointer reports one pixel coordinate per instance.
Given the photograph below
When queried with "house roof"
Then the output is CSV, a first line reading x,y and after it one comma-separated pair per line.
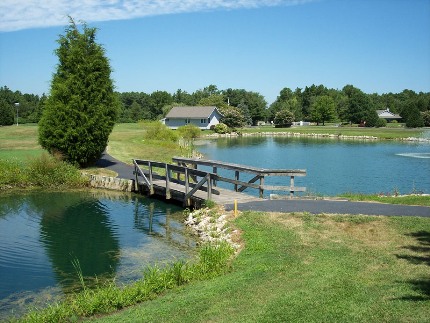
x,y
191,112
386,114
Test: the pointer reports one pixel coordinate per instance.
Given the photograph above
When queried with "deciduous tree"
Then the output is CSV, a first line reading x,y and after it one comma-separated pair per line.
x,y
323,109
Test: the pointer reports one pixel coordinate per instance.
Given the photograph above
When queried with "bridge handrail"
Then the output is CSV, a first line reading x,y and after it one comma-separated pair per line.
x,y
238,167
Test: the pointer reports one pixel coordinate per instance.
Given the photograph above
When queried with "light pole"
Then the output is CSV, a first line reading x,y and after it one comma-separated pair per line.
x,y
17,106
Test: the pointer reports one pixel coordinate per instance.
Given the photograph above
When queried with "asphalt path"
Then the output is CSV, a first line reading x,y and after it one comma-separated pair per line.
x,y
295,205
122,169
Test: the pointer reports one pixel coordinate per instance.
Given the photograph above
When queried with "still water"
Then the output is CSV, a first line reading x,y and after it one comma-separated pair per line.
x,y
333,166
110,234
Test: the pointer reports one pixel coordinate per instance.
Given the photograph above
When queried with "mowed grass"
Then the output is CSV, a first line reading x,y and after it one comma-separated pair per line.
x,y
423,200
128,142
19,142
307,268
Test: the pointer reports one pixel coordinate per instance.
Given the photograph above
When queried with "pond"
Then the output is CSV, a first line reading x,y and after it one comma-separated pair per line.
x,y
110,234
333,166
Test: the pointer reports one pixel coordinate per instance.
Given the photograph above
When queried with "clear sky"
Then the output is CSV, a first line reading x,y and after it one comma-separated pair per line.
x,y
263,46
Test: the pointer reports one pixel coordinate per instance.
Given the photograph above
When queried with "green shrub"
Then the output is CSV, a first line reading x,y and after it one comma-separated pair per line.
x,y
380,123
12,173
155,130
222,128
189,131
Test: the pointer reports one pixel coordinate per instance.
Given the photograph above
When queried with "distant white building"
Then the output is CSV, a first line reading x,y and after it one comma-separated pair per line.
x,y
202,117
387,115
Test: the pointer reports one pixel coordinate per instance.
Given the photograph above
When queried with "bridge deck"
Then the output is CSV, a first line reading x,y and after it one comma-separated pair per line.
x,y
225,196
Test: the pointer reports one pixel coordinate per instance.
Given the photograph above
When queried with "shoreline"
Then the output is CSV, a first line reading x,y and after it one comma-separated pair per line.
x,y
313,135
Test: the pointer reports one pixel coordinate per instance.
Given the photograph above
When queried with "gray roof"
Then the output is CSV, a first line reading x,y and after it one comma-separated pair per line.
x,y
191,112
387,114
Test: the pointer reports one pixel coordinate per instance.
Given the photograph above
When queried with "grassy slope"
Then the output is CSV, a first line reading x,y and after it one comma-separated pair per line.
x,y
303,268
127,142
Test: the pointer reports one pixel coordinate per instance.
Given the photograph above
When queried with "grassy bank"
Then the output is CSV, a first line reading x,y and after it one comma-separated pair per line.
x,y
305,268
381,133
423,200
108,297
43,171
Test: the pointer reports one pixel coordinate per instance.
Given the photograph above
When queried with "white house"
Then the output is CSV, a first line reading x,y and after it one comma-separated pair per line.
x,y
387,115
202,117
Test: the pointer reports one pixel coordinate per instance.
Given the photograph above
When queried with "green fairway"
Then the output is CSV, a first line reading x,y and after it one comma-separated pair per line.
x,y
19,142
305,268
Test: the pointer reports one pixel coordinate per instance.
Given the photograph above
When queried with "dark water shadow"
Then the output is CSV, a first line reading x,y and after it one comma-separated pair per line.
x,y
420,256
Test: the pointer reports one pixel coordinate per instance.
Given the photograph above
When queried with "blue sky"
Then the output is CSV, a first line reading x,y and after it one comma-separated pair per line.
x,y
263,46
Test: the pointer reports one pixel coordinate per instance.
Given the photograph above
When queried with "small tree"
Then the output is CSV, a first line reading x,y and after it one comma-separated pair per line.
x,y
284,118
233,118
82,107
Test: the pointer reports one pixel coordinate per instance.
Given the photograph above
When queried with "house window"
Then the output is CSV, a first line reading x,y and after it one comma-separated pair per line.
x,y
209,120
187,121
202,120
167,119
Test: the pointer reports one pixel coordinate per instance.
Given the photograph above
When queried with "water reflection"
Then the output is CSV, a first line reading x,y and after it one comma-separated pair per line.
x,y
109,233
88,238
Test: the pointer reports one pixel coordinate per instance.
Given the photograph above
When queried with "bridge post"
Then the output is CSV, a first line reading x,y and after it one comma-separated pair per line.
x,y
167,182
292,186
261,186
209,181
236,177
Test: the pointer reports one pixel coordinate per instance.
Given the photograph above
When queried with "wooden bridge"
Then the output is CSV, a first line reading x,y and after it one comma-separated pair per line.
x,y
185,183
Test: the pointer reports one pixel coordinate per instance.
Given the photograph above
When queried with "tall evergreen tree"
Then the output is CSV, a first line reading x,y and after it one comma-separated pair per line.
x,y
81,110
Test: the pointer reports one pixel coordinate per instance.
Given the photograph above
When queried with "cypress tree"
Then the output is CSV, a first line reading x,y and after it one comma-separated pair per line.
x,y
81,109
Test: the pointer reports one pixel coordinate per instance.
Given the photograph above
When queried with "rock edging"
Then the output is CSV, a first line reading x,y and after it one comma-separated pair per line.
x,y
312,135
211,227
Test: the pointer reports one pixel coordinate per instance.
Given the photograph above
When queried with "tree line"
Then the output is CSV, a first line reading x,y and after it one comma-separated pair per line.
x,y
315,103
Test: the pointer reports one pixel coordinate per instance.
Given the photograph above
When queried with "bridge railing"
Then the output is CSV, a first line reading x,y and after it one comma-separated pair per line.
x,y
191,179
240,186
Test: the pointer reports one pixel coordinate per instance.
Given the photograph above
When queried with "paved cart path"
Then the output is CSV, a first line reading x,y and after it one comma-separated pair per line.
x,y
296,205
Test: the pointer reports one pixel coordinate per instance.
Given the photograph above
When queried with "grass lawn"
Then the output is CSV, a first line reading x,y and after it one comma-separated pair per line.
x,y
128,142
423,200
305,268
19,142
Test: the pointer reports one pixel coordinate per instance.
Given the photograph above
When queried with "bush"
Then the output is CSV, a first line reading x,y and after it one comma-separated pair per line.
x,y
221,128
380,123
189,131
155,130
